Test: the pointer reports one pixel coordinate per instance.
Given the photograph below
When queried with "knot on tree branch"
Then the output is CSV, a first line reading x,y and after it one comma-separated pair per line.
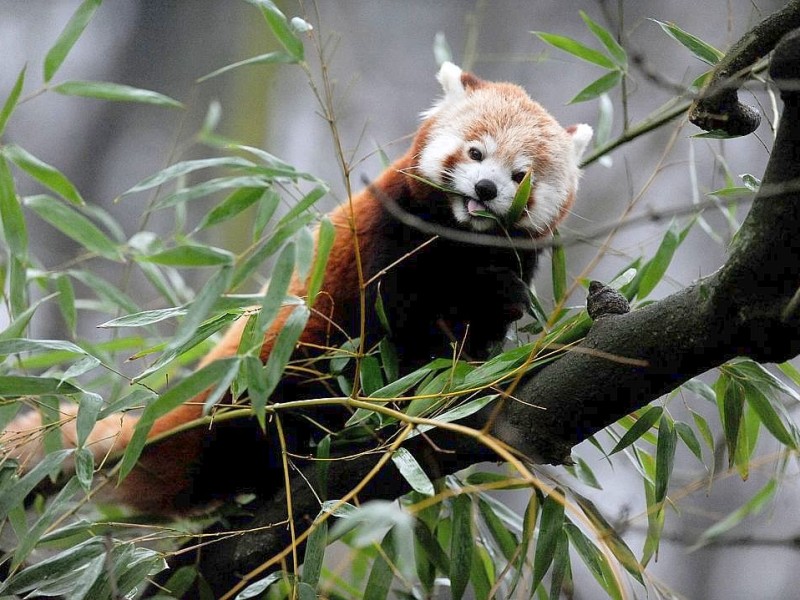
x,y
604,300
719,107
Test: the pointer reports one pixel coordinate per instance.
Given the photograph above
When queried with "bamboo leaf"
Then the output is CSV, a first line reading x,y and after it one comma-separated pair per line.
x,y
14,386
48,176
11,102
598,87
74,225
184,168
653,271
212,186
276,292
326,235
687,435
55,510
752,507
66,302
461,545
643,424
315,552
705,52
559,270
14,229
577,49
115,92
233,205
281,353
520,202
261,59
411,471
381,574
280,28
615,51
550,527
69,35
14,494
665,456
597,563
190,255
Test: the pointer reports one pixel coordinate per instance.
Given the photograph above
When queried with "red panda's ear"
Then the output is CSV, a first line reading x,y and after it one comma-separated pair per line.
x,y
581,136
455,82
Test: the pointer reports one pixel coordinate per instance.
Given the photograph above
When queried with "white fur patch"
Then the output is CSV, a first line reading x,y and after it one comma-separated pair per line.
x,y
449,77
581,137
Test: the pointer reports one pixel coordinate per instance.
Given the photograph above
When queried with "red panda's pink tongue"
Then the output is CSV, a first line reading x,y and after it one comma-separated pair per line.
x,y
474,206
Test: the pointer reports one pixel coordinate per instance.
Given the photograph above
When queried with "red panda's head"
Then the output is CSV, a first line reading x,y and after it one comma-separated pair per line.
x,y
481,138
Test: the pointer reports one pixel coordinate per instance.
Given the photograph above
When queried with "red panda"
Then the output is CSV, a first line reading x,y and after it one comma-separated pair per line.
x,y
463,169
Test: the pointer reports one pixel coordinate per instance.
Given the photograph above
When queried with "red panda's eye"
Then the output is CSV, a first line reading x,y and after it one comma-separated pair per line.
x,y
475,154
518,176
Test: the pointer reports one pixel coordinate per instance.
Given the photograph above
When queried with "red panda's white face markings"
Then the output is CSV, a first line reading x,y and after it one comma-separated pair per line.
x,y
481,141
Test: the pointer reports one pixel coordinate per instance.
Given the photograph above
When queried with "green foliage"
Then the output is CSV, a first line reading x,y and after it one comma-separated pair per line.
x,y
456,528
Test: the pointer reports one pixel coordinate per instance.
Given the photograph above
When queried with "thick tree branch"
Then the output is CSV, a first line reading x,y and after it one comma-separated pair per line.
x,y
748,308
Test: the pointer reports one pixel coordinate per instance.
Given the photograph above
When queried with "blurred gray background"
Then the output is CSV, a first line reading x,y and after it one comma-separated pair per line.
x,y
380,55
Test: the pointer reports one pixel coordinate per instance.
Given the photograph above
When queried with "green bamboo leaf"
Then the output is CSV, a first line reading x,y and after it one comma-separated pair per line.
x,y
771,414
233,205
459,412
325,238
184,168
66,302
88,410
16,328
506,541
190,255
462,545
615,51
303,205
264,212
262,59
642,425
559,270
389,360
596,562
268,248
48,176
598,87
188,388
145,317
281,353
482,572
276,293
14,229
64,563
200,307
665,456
577,49
690,439
11,102
653,271
54,511
730,400
609,535
370,375
115,92
585,475
381,574
69,35
550,527
212,186
704,429
656,514
520,202
411,471
74,225
14,386
752,507
14,494
84,467
562,569
705,52
280,28
315,552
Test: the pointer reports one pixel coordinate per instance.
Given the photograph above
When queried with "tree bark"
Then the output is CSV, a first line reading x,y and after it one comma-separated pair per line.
x,y
747,308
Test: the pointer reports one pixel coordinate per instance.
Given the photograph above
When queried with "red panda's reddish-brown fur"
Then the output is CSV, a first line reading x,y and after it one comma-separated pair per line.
x,y
446,289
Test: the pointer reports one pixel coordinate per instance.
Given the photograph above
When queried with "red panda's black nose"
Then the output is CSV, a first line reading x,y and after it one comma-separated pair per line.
x,y
486,190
